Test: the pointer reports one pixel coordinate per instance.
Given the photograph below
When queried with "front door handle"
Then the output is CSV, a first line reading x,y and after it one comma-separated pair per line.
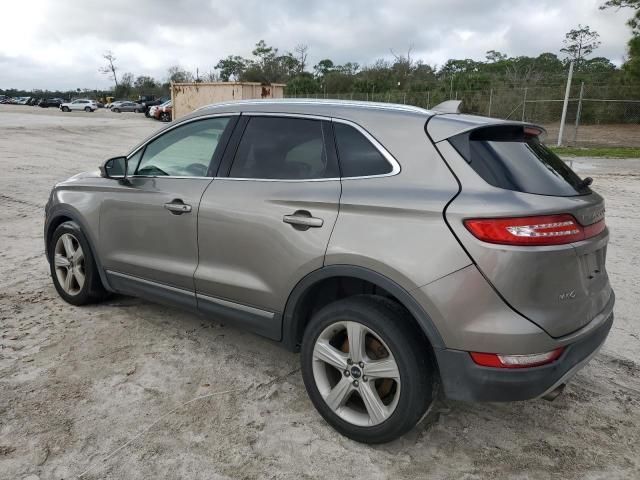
x,y
302,220
177,207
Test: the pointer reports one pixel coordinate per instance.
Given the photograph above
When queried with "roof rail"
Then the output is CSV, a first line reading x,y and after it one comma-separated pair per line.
x,y
328,102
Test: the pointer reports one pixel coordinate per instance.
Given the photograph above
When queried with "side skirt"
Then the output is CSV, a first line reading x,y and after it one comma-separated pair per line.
x,y
265,323
262,322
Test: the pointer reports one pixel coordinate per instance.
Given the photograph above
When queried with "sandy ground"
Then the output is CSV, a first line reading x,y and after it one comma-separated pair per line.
x,y
130,390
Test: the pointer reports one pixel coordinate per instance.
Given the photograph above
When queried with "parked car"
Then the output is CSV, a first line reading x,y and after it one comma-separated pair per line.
x,y
126,107
152,103
152,110
163,112
81,104
390,245
50,102
115,103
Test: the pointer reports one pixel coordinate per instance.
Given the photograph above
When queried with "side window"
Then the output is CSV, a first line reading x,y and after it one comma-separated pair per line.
x,y
184,151
358,156
283,148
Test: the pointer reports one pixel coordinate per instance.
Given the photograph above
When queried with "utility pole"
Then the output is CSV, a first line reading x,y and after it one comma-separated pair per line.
x,y
524,103
565,105
490,101
578,113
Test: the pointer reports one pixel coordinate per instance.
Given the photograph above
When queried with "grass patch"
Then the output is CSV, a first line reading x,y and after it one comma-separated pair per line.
x,y
609,152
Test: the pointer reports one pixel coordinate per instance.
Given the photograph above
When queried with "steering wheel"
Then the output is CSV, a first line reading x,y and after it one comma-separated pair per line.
x,y
151,170
197,169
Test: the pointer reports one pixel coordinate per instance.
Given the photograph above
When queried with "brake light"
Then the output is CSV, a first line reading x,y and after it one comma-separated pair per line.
x,y
496,360
542,230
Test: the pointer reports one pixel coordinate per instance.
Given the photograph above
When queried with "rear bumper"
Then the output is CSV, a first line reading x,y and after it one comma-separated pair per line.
x,y
463,379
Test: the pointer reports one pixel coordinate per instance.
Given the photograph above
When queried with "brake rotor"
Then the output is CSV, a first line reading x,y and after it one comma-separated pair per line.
x,y
375,351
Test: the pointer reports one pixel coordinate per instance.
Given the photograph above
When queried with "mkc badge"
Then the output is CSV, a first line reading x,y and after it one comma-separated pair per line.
x,y
568,295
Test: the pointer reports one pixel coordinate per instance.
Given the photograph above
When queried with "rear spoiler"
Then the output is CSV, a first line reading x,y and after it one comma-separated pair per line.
x,y
450,106
440,127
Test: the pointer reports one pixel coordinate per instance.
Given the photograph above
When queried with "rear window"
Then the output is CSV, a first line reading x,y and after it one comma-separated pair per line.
x,y
514,159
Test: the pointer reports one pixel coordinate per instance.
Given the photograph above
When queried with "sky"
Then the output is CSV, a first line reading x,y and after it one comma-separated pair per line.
x,y
58,44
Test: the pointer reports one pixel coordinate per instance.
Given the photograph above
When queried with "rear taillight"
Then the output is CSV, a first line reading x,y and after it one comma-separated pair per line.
x,y
542,230
497,360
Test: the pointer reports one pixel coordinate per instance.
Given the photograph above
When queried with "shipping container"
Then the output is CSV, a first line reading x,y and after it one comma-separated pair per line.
x,y
187,97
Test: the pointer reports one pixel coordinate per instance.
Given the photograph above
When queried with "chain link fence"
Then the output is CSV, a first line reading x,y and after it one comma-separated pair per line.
x,y
596,115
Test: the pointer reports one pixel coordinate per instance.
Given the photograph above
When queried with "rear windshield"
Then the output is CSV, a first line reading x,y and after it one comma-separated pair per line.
x,y
510,157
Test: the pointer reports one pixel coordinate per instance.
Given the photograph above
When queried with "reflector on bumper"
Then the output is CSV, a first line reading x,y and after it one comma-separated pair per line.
x,y
515,361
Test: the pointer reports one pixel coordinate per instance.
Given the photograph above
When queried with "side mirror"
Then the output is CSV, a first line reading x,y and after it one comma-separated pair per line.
x,y
115,167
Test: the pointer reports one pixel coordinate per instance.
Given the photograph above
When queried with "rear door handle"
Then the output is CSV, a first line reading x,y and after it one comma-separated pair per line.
x,y
177,207
302,220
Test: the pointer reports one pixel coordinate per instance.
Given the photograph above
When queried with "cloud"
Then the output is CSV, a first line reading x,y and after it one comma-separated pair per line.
x,y
60,44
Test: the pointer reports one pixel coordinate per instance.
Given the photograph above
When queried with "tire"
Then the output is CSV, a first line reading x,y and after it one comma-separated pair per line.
x,y
387,329
87,109
165,117
65,109
77,291
116,110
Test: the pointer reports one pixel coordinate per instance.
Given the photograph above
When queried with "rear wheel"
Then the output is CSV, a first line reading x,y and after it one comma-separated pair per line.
x,y
87,109
365,369
72,266
165,117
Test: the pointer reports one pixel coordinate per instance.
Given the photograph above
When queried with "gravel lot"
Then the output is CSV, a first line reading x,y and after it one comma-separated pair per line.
x,y
130,390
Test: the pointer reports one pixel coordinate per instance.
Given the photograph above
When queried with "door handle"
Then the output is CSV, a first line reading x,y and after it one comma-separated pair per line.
x,y
177,207
302,220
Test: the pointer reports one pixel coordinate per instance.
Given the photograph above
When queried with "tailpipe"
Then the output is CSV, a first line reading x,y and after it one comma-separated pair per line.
x,y
555,393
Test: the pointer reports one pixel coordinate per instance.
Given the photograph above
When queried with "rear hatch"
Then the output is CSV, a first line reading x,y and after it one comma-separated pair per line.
x,y
534,228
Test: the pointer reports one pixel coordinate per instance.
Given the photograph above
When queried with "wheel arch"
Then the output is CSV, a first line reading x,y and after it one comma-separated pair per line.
x,y
60,214
306,293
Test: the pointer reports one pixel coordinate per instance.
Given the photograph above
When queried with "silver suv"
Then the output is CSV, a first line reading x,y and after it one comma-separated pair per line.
x,y
399,250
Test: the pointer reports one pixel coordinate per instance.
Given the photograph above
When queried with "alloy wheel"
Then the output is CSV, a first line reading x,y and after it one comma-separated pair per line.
x,y
69,264
356,373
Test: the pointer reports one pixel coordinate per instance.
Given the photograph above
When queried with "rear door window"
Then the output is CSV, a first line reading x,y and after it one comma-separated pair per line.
x,y
513,158
283,148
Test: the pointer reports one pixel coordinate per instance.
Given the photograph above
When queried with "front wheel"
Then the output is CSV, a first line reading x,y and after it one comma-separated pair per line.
x,y
72,266
65,109
165,117
365,368
116,110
